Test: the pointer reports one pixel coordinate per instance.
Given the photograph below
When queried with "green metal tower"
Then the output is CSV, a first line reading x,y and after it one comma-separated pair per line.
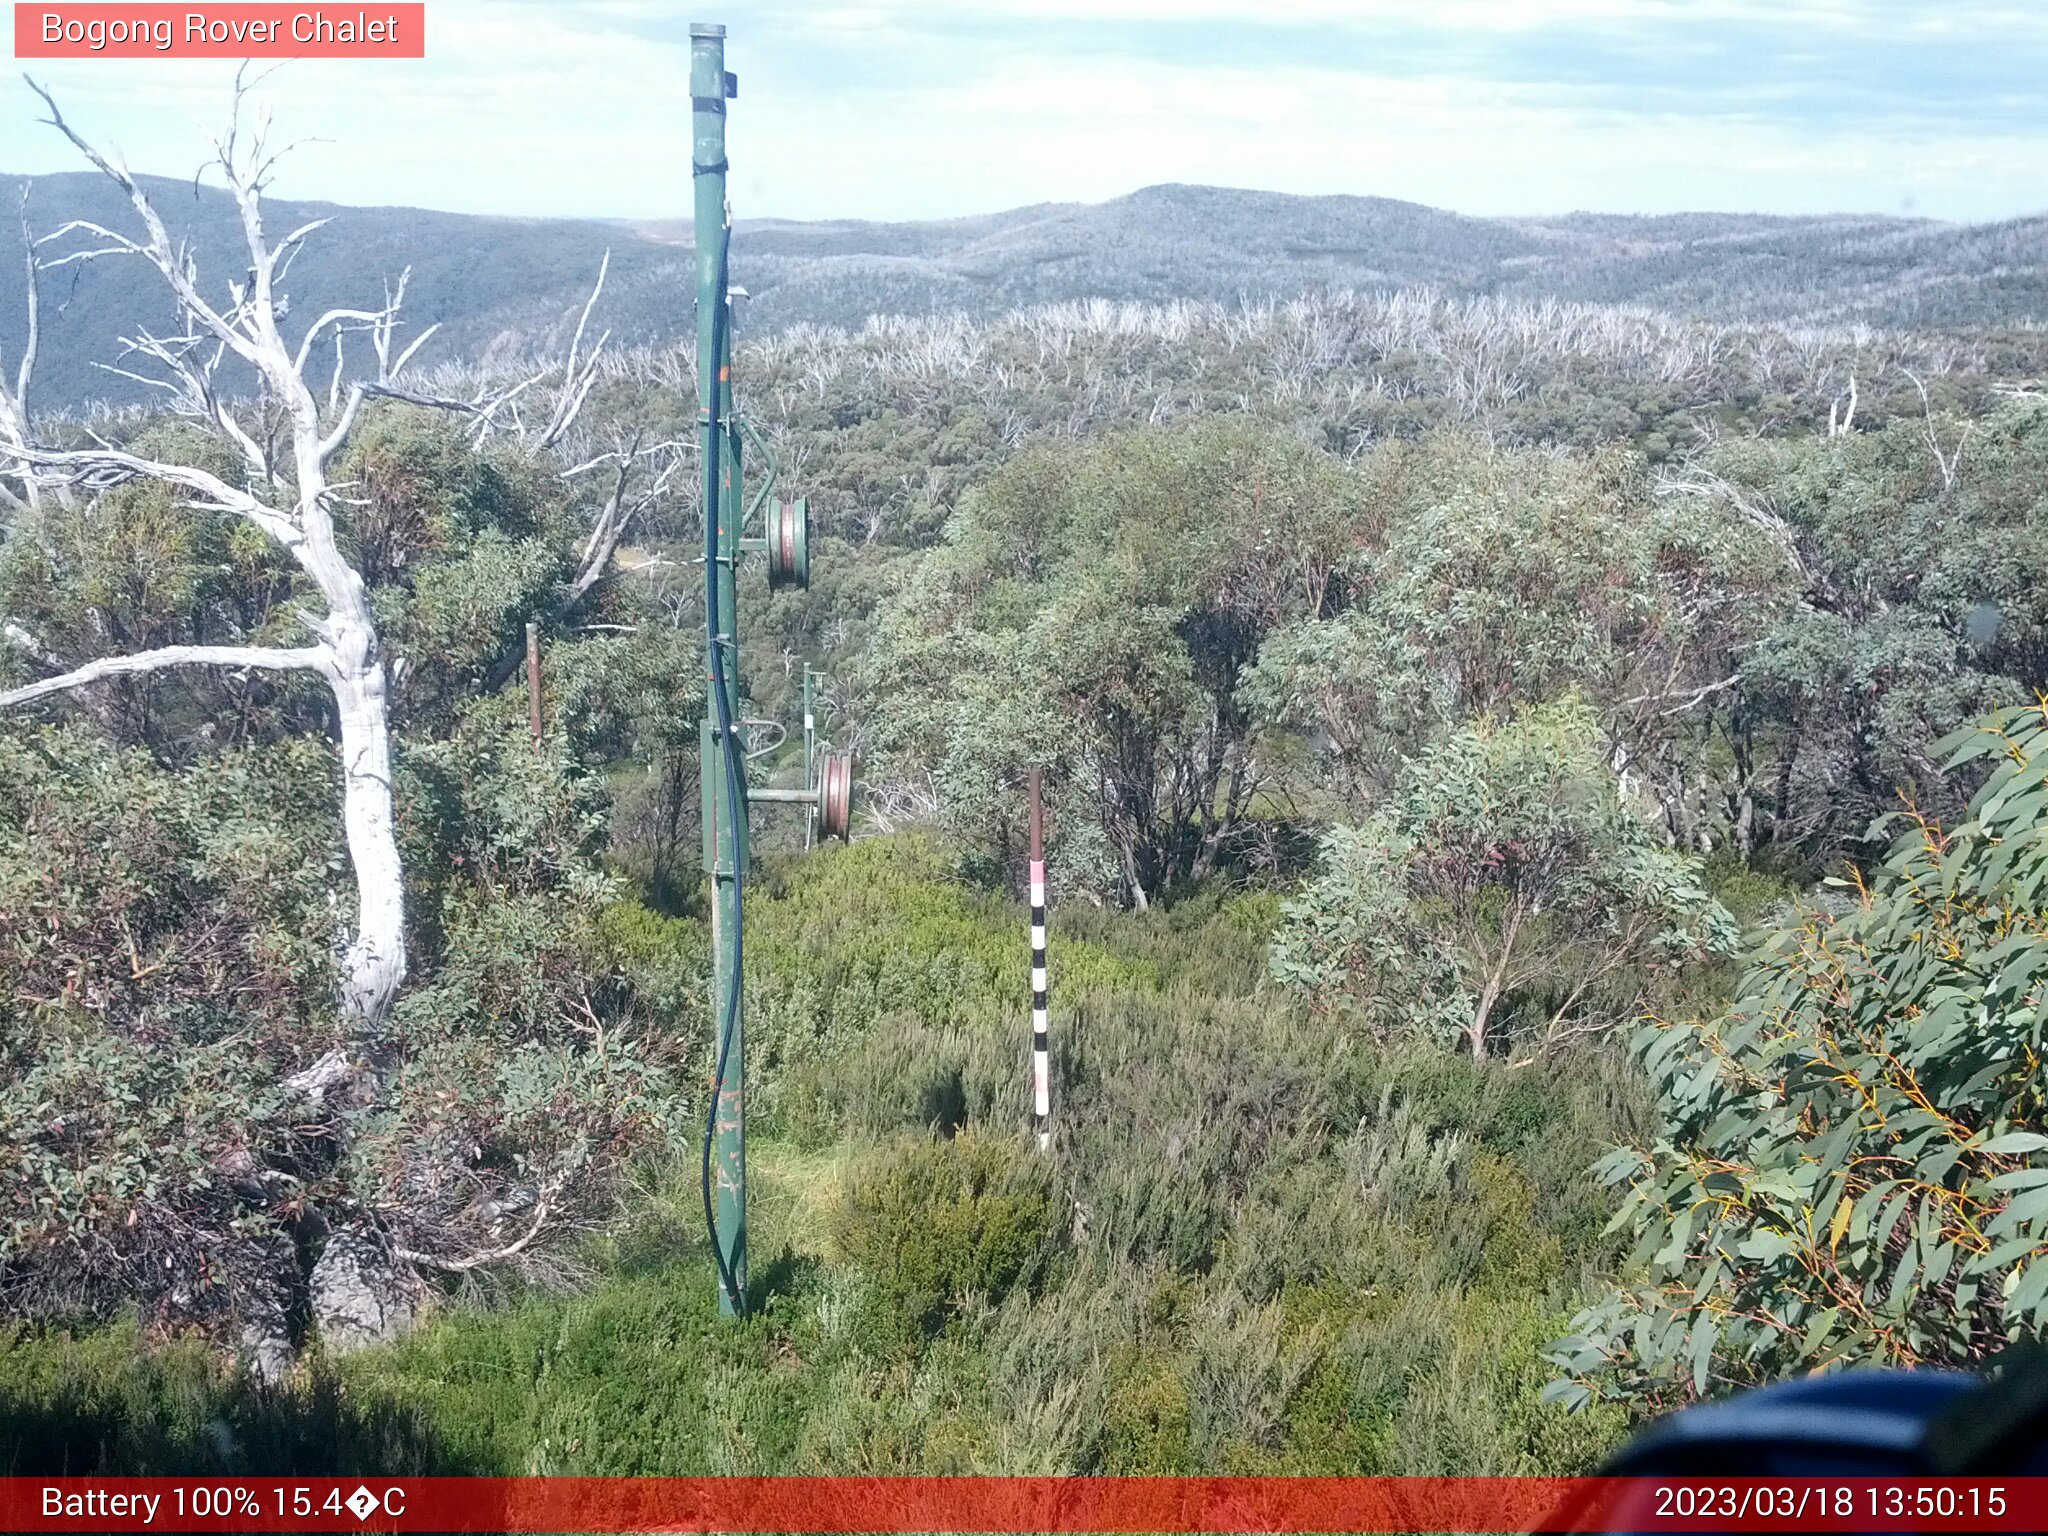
x,y
721,767
722,755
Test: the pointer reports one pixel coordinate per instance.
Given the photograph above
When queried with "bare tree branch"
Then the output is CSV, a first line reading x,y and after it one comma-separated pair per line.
x,y
366,317
577,382
576,341
1847,419
25,371
170,260
543,1204
315,658
406,356
617,515
1759,514
100,469
1947,463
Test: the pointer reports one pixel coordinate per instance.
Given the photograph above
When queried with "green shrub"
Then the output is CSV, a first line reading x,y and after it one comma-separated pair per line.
x,y
158,932
1253,1248
1508,890
1146,1417
113,1401
1167,1107
859,957
1848,1166
933,1224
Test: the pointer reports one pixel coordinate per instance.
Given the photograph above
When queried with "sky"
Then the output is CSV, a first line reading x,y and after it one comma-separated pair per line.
x,y
900,109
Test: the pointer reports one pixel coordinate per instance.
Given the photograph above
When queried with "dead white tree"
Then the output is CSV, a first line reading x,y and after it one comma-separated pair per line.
x,y
14,396
625,504
1842,422
287,494
1947,461
228,364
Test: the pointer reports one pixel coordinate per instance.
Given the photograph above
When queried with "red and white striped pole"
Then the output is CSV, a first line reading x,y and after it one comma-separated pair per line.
x,y
1041,1050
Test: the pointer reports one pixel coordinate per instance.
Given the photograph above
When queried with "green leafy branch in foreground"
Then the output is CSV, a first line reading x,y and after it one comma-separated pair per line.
x,y
1850,1169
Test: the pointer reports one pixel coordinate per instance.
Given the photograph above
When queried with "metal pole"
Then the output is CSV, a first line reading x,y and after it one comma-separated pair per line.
x,y
1041,1046
724,794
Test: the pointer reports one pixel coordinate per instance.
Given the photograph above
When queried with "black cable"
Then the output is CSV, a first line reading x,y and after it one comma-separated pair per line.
x,y
734,767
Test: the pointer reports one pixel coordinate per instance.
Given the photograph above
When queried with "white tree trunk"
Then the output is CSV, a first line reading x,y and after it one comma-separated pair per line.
x,y
373,969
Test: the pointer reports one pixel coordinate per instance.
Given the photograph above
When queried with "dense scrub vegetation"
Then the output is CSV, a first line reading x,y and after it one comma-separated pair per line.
x,y
1264,1247
1430,694
169,859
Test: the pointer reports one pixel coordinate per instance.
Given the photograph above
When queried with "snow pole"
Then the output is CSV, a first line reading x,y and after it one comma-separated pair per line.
x,y
1041,1045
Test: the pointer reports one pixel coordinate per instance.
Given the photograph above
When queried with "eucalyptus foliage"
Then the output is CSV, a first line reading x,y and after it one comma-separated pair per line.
x,y
1507,886
1485,580
1093,610
1917,548
1850,1163
163,942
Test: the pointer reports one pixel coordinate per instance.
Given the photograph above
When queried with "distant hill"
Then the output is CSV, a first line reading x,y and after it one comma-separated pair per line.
x,y
487,281
500,284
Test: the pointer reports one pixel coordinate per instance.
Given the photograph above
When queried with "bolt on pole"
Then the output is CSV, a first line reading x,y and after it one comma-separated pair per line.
x,y
721,764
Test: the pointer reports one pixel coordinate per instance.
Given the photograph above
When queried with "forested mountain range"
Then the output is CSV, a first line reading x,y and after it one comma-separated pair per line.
x,y
499,285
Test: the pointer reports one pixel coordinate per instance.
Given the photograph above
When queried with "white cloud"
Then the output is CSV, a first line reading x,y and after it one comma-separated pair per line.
x,y
879,110
1481,149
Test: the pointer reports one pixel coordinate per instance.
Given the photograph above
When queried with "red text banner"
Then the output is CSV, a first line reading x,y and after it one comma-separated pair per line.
x,y
237,31
1018,1504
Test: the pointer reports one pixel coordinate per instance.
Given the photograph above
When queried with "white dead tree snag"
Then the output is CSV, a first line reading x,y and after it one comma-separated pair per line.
x,y
365,1283
289,497
22,494
625,503
1948,462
